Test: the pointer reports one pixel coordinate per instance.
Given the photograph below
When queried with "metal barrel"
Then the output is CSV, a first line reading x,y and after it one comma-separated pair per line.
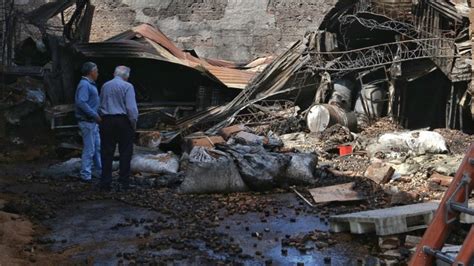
x,y
323,116
371,101
342,94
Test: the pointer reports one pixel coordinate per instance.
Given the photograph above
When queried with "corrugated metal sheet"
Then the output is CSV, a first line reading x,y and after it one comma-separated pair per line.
x,y
446,9
128,49
462,6
146,41
222,63
233,78
268,83
155,35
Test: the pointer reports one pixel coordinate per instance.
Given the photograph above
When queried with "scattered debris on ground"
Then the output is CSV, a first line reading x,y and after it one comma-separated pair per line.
x,y
359,126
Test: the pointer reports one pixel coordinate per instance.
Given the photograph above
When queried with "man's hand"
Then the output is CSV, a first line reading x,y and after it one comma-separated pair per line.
x,y
98,119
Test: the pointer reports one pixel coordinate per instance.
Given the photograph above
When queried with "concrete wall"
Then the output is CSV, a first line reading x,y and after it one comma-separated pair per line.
x,y
238,30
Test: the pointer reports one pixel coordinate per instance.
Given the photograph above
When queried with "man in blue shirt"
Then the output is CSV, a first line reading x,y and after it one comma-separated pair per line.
x,y
87,106
119,112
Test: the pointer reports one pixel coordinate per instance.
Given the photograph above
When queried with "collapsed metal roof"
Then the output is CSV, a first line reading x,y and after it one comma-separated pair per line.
x,y
146,41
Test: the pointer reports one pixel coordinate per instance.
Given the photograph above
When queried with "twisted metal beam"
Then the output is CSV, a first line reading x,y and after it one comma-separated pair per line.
x,y
438,48
383,54
402,28
383,9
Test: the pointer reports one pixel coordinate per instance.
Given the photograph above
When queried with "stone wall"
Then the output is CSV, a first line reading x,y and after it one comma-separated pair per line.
x,y
237,30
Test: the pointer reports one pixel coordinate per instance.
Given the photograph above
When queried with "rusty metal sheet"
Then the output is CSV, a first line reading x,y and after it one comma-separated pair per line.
x,y
222,63
343,192
127,49
447,9
154,34
232,78
146,41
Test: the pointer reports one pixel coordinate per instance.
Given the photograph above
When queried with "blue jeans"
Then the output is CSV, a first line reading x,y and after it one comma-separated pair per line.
x,y
91,150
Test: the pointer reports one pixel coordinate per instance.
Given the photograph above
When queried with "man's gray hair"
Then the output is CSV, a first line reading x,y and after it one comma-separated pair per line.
x,y
122,71
88,67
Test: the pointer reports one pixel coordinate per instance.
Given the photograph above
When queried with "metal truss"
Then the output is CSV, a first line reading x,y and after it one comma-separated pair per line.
x,y
428,42
338,63
383,9
402,28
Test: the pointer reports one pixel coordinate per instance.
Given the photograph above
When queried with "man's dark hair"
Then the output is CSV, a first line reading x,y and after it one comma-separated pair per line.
x,y
87,68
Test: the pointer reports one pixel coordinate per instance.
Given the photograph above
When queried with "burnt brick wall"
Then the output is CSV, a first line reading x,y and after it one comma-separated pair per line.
x,y
237,30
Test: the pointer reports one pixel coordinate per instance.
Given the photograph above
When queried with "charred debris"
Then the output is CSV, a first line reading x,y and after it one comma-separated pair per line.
x,y
408,62
368,110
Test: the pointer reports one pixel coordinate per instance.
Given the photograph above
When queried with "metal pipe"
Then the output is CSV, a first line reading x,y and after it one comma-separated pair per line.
x,y
438,254
462,208
302,197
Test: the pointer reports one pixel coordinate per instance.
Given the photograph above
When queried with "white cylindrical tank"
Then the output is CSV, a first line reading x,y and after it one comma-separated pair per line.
x,y
322,116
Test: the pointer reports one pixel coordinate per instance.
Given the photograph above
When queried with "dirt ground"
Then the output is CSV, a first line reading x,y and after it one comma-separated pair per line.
x,y
15,233
66,221
47,221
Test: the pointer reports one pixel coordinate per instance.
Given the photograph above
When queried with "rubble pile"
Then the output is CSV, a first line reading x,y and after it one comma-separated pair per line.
x,y
366,112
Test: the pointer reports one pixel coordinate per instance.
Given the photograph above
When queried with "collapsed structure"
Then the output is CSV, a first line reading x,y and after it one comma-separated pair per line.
x,y
367,60
277,121
376,59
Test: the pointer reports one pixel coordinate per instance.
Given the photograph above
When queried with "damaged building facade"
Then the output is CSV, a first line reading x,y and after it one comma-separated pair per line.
x,y
414,45
368,58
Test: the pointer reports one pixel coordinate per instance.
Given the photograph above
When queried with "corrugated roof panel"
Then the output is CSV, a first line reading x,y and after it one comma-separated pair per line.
x,y
128,44
154,34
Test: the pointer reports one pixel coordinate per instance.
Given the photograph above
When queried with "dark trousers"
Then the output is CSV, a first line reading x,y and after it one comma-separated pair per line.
x,y
116,129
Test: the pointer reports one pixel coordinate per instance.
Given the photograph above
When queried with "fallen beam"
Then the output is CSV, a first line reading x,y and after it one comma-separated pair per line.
x,y
337,193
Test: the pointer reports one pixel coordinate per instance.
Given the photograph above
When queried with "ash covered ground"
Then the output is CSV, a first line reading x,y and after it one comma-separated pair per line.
x,y
61,220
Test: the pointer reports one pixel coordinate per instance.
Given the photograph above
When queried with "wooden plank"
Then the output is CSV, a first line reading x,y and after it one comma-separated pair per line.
x,y
343,192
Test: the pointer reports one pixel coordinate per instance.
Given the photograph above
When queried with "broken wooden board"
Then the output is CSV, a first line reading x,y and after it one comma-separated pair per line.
x,y
343,192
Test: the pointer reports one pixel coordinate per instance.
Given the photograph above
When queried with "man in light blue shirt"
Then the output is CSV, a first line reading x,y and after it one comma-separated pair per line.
x,y
86,109
119,112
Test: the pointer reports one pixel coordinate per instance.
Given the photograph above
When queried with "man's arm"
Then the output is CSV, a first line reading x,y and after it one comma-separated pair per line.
x,y
82,96
131,105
